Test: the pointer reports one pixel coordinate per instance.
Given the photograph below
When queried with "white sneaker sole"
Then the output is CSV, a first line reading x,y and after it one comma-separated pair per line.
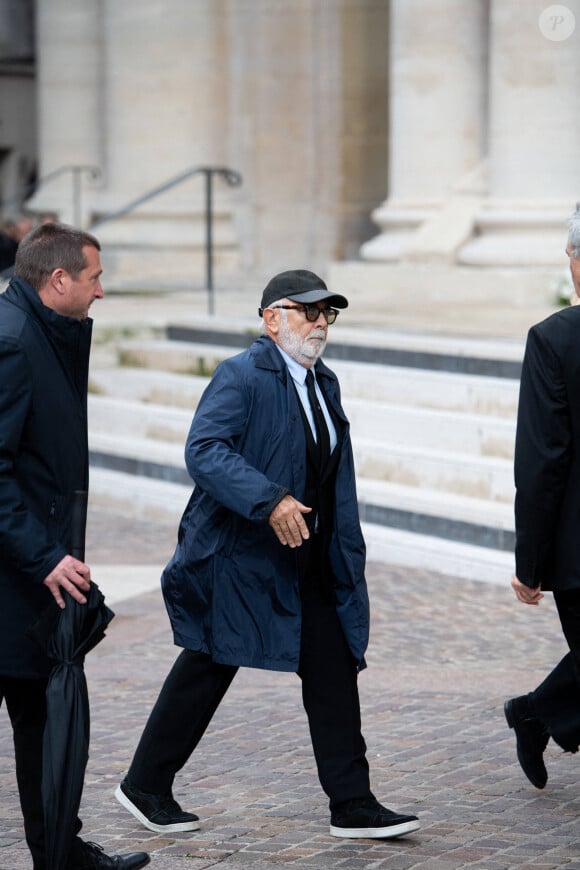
x,y
376,833
159,829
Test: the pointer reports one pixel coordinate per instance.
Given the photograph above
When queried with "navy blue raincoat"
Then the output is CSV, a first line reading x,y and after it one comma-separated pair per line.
x,y
231,589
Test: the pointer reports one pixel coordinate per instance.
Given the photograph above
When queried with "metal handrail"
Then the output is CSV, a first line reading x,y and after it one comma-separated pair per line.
x,y
231,176
76,171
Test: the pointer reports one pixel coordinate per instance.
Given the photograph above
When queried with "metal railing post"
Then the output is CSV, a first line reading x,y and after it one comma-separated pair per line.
x,y
76,173
233,178
209,239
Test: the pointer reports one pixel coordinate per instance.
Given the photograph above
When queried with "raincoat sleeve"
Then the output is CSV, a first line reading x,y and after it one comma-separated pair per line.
x,y
213,456
24,542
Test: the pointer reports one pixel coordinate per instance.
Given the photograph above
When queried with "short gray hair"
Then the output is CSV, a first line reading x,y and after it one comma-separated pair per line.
x,y
574,233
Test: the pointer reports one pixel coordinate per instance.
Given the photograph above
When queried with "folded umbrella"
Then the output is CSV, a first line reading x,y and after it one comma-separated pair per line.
x,y
77,630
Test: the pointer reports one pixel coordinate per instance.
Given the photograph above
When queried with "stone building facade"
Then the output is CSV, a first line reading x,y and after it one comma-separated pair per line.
x,y
384,132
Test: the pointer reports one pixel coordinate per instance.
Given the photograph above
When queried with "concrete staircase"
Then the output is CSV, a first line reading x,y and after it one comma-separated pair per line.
x,y
433,423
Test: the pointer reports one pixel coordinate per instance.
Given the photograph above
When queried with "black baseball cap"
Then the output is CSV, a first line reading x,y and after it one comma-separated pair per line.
x,y
299,285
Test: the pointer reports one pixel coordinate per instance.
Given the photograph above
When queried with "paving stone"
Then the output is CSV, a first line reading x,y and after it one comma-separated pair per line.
x,y
444,654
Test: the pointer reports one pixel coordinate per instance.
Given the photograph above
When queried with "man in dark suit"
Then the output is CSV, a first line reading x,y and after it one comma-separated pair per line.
x,y
269,566
547,513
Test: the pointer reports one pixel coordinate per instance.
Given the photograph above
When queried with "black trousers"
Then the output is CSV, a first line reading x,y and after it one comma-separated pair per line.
x,y
556,701
196,685
26,706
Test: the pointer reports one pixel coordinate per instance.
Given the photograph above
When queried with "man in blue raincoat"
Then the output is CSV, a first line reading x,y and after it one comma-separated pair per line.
x,y
269,566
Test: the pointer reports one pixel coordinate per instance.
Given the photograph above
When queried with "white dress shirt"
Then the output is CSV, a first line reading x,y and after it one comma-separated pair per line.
x,y
298,373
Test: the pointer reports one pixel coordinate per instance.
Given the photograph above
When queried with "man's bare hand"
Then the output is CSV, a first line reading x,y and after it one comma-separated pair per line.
x,y
288,523
525,594
70,574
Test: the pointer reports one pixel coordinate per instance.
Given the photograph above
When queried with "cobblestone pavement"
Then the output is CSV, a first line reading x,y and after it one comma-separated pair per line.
x,y
444,655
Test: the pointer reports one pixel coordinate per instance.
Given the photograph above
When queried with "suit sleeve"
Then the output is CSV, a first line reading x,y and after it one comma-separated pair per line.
x,y
542,456
24,542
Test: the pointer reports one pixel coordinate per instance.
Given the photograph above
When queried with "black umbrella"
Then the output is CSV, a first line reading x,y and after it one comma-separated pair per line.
x,y
77,629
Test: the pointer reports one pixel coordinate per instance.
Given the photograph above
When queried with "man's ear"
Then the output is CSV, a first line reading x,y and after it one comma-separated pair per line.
x,y
57,280
271,320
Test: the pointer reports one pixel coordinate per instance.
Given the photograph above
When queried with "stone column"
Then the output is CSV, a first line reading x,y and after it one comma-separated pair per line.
x,y
69,53
285,124
166,90
534,134
166,85
437,122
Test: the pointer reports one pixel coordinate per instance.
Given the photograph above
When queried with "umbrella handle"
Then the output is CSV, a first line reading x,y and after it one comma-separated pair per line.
x,y
78,523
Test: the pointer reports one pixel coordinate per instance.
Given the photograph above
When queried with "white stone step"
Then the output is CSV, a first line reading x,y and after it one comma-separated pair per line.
x,y
454,559
476,394
437,511
137,497
138,419
429,353
148,385
174,356
378,383
483,477
375,338
147,457
475,477
142,498
435,503
479,435
475,434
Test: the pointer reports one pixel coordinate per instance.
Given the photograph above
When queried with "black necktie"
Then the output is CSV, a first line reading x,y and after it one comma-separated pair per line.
x,y
322,436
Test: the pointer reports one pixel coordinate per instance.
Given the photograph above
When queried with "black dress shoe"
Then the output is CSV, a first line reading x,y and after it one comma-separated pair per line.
x,y
90,856
531,739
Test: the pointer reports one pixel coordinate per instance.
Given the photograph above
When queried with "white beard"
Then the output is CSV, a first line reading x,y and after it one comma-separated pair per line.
x,y
304,350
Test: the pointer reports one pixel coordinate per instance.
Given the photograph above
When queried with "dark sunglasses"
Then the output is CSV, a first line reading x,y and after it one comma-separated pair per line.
x,y
312,311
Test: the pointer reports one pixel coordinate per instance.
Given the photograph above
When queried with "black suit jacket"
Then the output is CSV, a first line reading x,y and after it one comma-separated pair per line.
x,y
547,455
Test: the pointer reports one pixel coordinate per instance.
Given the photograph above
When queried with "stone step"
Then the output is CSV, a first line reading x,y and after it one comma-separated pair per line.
x,y
173,356
200,356
449,391
148,385
446,472
147,498
433,446
398,547
446,512
442,514
470,434
482,477
138,419
399,385
452,353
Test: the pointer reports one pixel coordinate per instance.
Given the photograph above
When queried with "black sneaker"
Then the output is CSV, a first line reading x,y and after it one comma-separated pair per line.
x,y
368,818
90,856
158,812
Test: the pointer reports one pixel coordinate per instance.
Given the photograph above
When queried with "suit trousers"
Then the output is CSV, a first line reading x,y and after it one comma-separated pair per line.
x,y
556,701
26,706
196,685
